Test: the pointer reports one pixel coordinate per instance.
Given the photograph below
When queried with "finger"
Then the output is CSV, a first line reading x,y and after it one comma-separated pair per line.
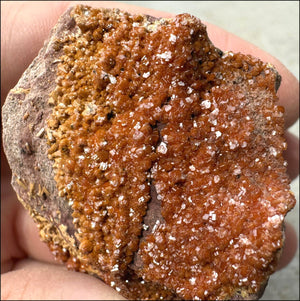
x,y
29,239
41,281
290,246
292,155
19,234
10,249
288,92
24,26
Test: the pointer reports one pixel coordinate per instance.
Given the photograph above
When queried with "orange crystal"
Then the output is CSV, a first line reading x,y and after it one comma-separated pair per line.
x,y
140,108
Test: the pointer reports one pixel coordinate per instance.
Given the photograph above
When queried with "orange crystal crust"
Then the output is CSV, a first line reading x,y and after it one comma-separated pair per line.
x,y
139,106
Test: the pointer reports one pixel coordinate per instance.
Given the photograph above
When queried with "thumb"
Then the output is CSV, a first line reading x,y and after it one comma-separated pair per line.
x,y
41,281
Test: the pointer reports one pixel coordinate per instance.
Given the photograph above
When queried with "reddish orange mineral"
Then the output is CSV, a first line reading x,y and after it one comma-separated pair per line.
x,y
169,154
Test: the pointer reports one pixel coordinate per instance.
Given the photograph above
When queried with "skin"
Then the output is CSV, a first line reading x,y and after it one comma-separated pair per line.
x,y
28,269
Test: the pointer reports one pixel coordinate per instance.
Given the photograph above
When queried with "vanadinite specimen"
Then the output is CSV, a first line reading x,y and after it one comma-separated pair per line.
x,y
150,158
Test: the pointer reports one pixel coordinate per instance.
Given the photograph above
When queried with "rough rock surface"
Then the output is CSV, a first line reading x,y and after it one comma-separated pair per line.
x,y
150,158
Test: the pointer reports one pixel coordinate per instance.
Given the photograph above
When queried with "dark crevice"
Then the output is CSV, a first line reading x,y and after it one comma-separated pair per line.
x,y
153,217
153,214
110,115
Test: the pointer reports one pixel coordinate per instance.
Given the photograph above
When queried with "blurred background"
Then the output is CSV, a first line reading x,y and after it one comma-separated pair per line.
x,y
274,27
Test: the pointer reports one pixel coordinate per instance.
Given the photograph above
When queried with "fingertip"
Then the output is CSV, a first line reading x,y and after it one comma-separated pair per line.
x,y
288,94
290,246
292,155
26,25
29,239
41,281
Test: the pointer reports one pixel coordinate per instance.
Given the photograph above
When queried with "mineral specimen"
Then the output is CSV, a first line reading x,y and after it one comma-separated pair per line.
x,y
150,158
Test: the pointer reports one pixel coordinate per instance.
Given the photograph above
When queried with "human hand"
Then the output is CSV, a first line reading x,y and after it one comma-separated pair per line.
x,y
28,267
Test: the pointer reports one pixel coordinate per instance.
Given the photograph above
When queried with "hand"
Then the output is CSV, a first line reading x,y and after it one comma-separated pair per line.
x,y
28,267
